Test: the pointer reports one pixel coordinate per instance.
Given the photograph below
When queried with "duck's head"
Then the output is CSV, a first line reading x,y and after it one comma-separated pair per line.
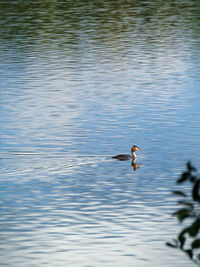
x,y
134,148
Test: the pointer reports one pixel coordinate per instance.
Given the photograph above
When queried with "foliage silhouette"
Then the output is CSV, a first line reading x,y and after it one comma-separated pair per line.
x,y
188,240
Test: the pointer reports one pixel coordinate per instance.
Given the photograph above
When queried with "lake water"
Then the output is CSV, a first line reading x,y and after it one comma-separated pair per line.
x,y
82,81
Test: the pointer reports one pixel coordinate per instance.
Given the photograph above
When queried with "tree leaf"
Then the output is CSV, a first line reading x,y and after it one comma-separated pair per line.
x,y
196,243
171,245
184,231
181,239
190,167
193,179
195,191
182,214
194,228
179,193
186,203
185,176
189,252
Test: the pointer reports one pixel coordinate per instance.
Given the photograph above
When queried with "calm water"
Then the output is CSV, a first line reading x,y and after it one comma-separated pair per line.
x,y
80,82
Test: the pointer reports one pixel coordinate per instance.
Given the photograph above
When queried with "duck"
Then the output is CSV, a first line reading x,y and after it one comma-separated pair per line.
x,y
127,157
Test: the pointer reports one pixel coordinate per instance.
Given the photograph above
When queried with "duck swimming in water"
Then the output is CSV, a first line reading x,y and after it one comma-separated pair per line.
x,y
127,157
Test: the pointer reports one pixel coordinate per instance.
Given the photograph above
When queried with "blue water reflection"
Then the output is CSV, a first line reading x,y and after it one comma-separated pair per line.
x,y
80,85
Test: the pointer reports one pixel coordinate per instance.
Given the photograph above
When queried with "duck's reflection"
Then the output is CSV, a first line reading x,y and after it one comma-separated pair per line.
x,y
135,165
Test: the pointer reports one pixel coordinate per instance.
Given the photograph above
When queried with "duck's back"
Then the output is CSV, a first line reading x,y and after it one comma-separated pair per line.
x,y
122,157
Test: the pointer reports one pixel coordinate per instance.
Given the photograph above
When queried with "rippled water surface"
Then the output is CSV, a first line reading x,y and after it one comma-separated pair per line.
x,y
80,82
